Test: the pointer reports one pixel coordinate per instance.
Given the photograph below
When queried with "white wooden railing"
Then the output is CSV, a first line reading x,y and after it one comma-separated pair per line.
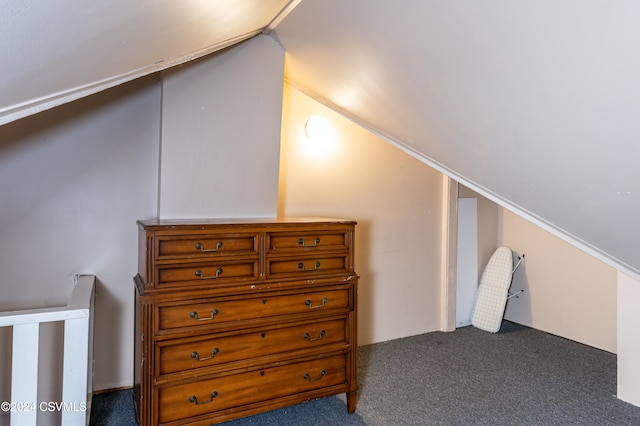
x,y
77,377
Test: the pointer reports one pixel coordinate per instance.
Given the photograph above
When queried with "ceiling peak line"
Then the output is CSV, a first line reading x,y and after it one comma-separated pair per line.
x,y
501,201
286,10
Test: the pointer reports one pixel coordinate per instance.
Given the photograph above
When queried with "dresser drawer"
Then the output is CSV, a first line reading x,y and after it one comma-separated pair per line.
x,y
205,245
226,310
303,241
216,350
205,273
306,266
208,396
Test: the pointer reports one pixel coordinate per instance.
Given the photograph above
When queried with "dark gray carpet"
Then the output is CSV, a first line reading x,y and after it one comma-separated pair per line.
x,y
518,376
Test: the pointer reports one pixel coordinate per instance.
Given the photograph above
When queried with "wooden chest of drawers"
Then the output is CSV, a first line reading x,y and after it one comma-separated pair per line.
x,y
237,318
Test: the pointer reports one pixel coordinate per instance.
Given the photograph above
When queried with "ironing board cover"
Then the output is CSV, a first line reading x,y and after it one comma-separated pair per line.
x,y
491,297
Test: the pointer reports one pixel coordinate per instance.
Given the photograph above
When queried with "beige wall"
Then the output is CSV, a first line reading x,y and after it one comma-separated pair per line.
x,y
396,201
567,292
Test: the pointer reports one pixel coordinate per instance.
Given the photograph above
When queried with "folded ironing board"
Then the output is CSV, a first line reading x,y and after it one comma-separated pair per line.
x,y
493,291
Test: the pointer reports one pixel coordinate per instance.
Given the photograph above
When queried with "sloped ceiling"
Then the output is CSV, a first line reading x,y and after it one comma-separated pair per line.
x,y
52,52
535,104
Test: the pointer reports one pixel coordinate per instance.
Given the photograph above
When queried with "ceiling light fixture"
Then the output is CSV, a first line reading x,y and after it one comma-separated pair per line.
x,y
317,128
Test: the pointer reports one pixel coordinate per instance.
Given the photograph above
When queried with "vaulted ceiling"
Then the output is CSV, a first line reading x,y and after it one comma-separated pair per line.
x,y
52,52
534,104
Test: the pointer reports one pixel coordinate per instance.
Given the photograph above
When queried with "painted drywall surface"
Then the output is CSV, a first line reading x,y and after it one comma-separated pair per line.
x,y
488,226
396,201
73,181
628,341
86,47
567,292
221,134
467,260
533,102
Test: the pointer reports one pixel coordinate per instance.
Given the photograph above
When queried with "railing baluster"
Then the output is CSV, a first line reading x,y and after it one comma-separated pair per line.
x,y
74,376
77,380
24,374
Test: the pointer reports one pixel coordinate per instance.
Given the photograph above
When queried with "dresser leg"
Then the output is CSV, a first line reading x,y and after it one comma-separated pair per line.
x,y
352,398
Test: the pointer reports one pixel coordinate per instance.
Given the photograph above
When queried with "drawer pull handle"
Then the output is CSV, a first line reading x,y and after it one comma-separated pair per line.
x,y
311,306
303,244
196,356
308,337
194,399
316,266
308,378
200,246
200,274
194,315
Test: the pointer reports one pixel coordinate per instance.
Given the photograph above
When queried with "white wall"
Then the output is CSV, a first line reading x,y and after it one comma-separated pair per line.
x,y
567,292
396,201
488,226
221,134
628,339
73,181
466,260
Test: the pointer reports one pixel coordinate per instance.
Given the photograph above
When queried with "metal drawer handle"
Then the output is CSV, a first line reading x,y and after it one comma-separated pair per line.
x,y
194,315
196,356
316,266
308,337
309,379
303,244
200,246
200,274
194,399
311,306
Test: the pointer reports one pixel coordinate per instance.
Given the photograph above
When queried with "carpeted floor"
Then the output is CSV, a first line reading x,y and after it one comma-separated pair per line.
x,y
518,376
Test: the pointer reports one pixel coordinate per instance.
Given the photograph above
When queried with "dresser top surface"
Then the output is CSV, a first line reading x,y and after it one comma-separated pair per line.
x,y
163,223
